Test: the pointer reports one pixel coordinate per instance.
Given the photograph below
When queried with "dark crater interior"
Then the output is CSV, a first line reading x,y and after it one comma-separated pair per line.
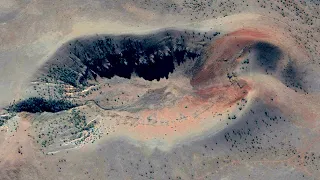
x,y
151,57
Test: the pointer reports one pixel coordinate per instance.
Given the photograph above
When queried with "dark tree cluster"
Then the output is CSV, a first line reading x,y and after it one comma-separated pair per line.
x,y
64,74
2,121
37,104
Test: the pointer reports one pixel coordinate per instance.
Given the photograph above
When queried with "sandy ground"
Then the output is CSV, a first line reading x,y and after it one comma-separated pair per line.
x,y
267,129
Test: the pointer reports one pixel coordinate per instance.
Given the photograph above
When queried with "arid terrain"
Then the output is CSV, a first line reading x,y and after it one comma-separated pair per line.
x,y
159,89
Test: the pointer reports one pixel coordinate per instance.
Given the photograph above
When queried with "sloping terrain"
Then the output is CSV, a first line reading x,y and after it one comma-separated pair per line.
x,y
160,89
